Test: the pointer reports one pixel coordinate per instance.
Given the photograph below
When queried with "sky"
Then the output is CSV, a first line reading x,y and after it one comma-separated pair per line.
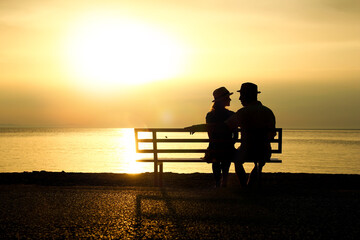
x,y
156,63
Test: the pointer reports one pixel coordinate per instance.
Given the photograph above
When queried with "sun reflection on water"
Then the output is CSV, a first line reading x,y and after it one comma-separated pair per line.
x,y
128,152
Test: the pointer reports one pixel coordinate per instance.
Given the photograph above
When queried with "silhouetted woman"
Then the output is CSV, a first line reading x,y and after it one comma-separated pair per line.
x,y
221,148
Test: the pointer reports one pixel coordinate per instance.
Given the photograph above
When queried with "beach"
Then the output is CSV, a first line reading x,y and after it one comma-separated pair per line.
x,y
59,205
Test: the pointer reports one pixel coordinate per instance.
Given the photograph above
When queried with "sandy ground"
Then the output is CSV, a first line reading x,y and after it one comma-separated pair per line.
x,y
120,206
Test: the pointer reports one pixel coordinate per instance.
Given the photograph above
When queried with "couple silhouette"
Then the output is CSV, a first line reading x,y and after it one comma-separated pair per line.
x,y
257,127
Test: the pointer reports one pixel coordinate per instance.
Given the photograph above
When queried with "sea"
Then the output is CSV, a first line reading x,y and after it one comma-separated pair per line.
x,y
112,150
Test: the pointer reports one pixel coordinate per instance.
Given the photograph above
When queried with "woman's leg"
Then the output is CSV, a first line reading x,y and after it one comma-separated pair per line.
x,y
225,166
216,167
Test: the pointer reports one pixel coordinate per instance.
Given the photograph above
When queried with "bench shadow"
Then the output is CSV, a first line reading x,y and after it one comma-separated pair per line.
x,y
172,214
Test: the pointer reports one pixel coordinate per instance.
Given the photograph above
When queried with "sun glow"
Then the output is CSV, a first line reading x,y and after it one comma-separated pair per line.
x,y
128,152
109,51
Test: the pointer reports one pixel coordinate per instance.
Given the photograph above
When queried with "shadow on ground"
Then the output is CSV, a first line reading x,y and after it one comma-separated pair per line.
x,y
289,206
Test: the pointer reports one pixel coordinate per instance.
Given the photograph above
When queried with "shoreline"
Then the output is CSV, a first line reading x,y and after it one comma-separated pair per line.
x,y
178,180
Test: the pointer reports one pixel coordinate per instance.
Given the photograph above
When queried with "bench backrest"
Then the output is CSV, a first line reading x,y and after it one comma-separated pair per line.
x,y
159,135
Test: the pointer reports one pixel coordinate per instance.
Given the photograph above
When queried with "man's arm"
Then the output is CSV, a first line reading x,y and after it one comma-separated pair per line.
x,y
272,132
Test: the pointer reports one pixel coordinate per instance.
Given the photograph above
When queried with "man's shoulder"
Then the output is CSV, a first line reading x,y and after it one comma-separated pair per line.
x,y
229,112
267,109
241,111
256,107
261,106
267,113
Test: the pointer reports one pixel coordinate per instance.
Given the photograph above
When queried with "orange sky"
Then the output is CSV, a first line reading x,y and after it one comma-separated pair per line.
x,y
156,63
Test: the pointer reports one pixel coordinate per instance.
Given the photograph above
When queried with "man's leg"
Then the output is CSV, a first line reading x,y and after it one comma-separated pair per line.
x,y
239,168
240,172
255,175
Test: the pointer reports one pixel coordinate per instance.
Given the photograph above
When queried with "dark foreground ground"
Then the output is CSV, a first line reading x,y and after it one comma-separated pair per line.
x,y
42,205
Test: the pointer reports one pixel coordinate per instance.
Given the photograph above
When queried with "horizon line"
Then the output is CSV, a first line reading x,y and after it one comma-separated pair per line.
x,y
74,126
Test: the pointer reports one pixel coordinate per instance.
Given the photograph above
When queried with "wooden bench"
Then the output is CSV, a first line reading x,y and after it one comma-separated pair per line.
x,y
162,141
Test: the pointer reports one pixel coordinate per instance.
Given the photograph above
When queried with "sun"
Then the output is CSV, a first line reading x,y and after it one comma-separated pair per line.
x,y
105,51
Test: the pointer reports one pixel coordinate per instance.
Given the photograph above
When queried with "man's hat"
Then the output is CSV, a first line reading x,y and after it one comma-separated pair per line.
x,y
220,93
249,88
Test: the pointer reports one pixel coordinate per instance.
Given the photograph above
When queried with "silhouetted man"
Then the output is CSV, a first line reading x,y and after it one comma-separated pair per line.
x,y
257,124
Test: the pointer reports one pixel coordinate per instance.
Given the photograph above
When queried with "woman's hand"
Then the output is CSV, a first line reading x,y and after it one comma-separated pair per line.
x,y
196,128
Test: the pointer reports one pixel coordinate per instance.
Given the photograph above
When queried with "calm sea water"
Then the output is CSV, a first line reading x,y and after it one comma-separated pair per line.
x,y
113,150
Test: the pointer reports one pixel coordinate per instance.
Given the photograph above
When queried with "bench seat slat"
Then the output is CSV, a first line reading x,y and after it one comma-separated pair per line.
x,y
172,151
173,140
176,130
180,140
183,151
272,160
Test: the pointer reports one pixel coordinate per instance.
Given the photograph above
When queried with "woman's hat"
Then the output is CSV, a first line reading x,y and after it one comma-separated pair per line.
x,y
220,93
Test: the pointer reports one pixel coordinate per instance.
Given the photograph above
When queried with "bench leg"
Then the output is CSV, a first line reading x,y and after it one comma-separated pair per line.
x,y
156,174
160,174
